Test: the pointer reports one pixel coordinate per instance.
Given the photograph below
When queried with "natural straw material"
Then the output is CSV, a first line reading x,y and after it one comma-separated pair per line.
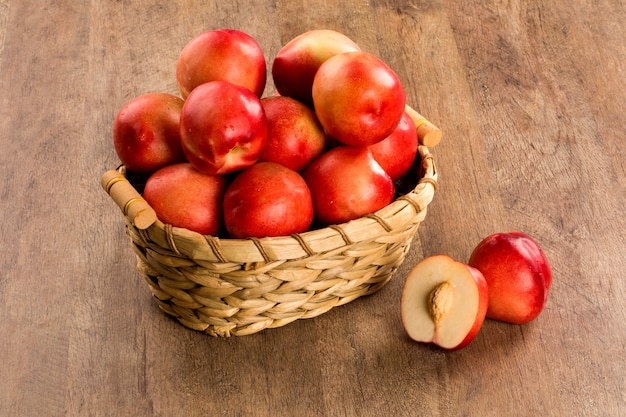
x,y
228,287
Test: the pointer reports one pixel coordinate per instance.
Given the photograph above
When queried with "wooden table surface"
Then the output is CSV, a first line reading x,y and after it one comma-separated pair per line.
x,y
531,99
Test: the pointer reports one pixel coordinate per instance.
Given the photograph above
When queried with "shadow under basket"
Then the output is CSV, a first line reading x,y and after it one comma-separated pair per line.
x,y
235,287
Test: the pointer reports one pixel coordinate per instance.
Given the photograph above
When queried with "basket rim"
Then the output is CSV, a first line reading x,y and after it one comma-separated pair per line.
x,y
404,212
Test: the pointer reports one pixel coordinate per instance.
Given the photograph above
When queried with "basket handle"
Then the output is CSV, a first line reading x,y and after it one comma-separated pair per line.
x,y
428,134
128,199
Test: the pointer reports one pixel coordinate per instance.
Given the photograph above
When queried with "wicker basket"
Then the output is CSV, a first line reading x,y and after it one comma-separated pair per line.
x,y
238,287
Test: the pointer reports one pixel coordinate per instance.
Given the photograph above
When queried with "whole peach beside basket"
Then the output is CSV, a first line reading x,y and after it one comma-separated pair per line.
x,y
235,287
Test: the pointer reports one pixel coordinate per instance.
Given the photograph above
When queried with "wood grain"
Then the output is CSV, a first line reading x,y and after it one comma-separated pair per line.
x,y
530,99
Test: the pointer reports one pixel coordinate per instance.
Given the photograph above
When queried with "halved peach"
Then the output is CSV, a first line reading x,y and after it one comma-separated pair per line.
x,y
444,302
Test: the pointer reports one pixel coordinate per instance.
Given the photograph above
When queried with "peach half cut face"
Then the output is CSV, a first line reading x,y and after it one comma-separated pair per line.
x,y
444,302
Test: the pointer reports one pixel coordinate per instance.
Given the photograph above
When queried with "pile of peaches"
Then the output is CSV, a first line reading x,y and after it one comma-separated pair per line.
x,y
222,159
328,147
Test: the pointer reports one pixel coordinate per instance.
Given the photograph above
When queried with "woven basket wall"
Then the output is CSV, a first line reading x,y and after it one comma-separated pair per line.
x,y
228,287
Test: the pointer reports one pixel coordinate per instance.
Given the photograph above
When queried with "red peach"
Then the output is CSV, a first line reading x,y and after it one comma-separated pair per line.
x,y
183,197
358,99
267,199
294,136
518,275
146,132
295,65
347,183
223,127
221,55
396,152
